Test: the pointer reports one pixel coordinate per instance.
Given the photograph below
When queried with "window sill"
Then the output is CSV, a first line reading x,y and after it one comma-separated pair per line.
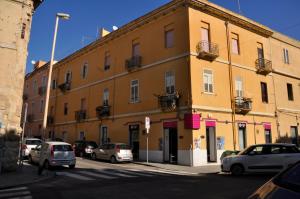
x,y
134,102
208,93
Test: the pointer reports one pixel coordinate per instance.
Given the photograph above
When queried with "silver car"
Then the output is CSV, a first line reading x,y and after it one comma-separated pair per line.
x,y
115,152
28,144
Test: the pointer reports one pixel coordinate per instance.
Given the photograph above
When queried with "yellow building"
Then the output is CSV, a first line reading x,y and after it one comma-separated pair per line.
x,y
209,79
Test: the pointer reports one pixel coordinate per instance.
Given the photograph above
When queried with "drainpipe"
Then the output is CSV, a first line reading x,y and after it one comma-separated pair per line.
x,y
232,100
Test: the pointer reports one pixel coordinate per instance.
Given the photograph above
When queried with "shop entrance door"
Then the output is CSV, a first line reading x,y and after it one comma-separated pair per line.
x,y
134,141
211,144
170,145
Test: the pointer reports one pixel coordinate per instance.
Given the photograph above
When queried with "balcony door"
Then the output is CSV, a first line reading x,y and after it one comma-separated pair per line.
x,y
260,54
205,39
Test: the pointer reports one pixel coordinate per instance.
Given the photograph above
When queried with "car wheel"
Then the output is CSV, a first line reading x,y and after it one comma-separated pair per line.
x,y
237,170
72,166
93,156
30,159
113,159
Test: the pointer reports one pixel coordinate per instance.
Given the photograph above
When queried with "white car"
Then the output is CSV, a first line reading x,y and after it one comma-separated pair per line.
x,y
262,158
28,144
53,154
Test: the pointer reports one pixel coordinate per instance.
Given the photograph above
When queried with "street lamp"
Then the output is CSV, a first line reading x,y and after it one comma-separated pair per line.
x,y
66,17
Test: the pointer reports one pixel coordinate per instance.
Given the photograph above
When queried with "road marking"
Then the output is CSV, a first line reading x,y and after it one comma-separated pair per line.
x,y
13,189
73,175
22,197
97,175
115,173
136,172
20,193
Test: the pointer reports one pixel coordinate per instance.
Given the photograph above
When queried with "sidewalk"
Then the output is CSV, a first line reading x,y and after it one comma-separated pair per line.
x,y
205,169
27,174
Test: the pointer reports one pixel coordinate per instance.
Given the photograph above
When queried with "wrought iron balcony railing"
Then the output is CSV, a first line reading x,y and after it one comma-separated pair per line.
x,y
65,86
263,66
207,50
243,105
103,111
133,63
80,115
42,90
168,102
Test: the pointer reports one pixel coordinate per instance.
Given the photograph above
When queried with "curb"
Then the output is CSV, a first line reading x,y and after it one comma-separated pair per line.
x,y
28,182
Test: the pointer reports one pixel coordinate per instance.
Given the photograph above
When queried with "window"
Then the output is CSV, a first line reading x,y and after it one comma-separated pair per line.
x,y
134,91
235,44
34,87
264,92
83,104
294,134
170,82
135,49
239,87
290,92
260,52
105,96
286,58
44,81
169,39
81,135
54,84
23,31
32,107
68,77
41,106
205,36
107,61
84,71
208,81
65,108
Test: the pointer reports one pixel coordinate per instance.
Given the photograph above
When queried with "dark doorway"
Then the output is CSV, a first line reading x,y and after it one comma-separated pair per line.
x,y
134,140
211,144
242,136
268,136
170,145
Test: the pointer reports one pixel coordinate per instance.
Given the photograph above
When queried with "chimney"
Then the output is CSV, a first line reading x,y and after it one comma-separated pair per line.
x,y
103,33
38,64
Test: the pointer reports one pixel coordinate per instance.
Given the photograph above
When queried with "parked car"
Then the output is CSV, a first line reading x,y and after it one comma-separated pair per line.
x,y
54,154
84,148
284,185
28,144
228,153
262,158
115,152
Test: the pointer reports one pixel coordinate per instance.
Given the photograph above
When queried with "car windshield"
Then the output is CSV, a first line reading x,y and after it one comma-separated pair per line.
x,y
33,142
290,179
92,144
245,151
123,146
62,148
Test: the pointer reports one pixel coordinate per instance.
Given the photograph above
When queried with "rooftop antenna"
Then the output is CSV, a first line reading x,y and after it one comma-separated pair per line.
x,y
239,5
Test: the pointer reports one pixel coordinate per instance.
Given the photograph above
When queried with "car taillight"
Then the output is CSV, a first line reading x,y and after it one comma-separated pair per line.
x,y
24,146
52,152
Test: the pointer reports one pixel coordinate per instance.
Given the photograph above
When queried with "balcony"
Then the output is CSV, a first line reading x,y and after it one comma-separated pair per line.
x,y
25,97
207,50
243,105
133,63
263,66
103,111
50,120
65,86
30,118
168,102
80,115
42,90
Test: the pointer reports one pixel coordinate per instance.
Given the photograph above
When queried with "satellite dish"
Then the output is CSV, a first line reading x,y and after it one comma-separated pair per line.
x,y
33,62
115,28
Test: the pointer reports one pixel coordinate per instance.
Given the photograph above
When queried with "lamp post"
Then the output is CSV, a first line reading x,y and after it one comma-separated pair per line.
x,y
66,17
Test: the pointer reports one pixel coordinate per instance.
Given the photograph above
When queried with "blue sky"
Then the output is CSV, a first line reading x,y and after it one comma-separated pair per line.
x,y
89,15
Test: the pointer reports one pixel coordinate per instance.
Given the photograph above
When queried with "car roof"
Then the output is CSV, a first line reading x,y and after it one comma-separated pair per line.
x,y
57,143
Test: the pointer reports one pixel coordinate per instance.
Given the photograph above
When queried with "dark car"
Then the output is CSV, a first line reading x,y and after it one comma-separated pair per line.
x,y
84,148
284,185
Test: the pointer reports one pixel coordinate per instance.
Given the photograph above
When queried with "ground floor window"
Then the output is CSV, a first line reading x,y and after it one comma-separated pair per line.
x,y
294,134
242,136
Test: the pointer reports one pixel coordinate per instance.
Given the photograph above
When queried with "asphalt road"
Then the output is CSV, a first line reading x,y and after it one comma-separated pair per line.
x,y
94,179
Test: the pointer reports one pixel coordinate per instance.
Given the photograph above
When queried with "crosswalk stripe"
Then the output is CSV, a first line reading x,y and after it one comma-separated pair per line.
x,y
115,173
97,175
22,197
136,173
164,172
13,189
73,175
21,193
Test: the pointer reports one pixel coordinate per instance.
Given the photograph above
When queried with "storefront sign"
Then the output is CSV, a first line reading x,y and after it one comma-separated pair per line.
x,y
267,126
210,123
192,121
172,124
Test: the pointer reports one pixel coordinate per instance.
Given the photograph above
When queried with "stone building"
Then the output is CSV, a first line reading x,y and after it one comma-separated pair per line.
x,y
15,24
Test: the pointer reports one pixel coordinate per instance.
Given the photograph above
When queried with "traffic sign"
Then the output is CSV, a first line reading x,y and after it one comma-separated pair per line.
x,y
147,123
